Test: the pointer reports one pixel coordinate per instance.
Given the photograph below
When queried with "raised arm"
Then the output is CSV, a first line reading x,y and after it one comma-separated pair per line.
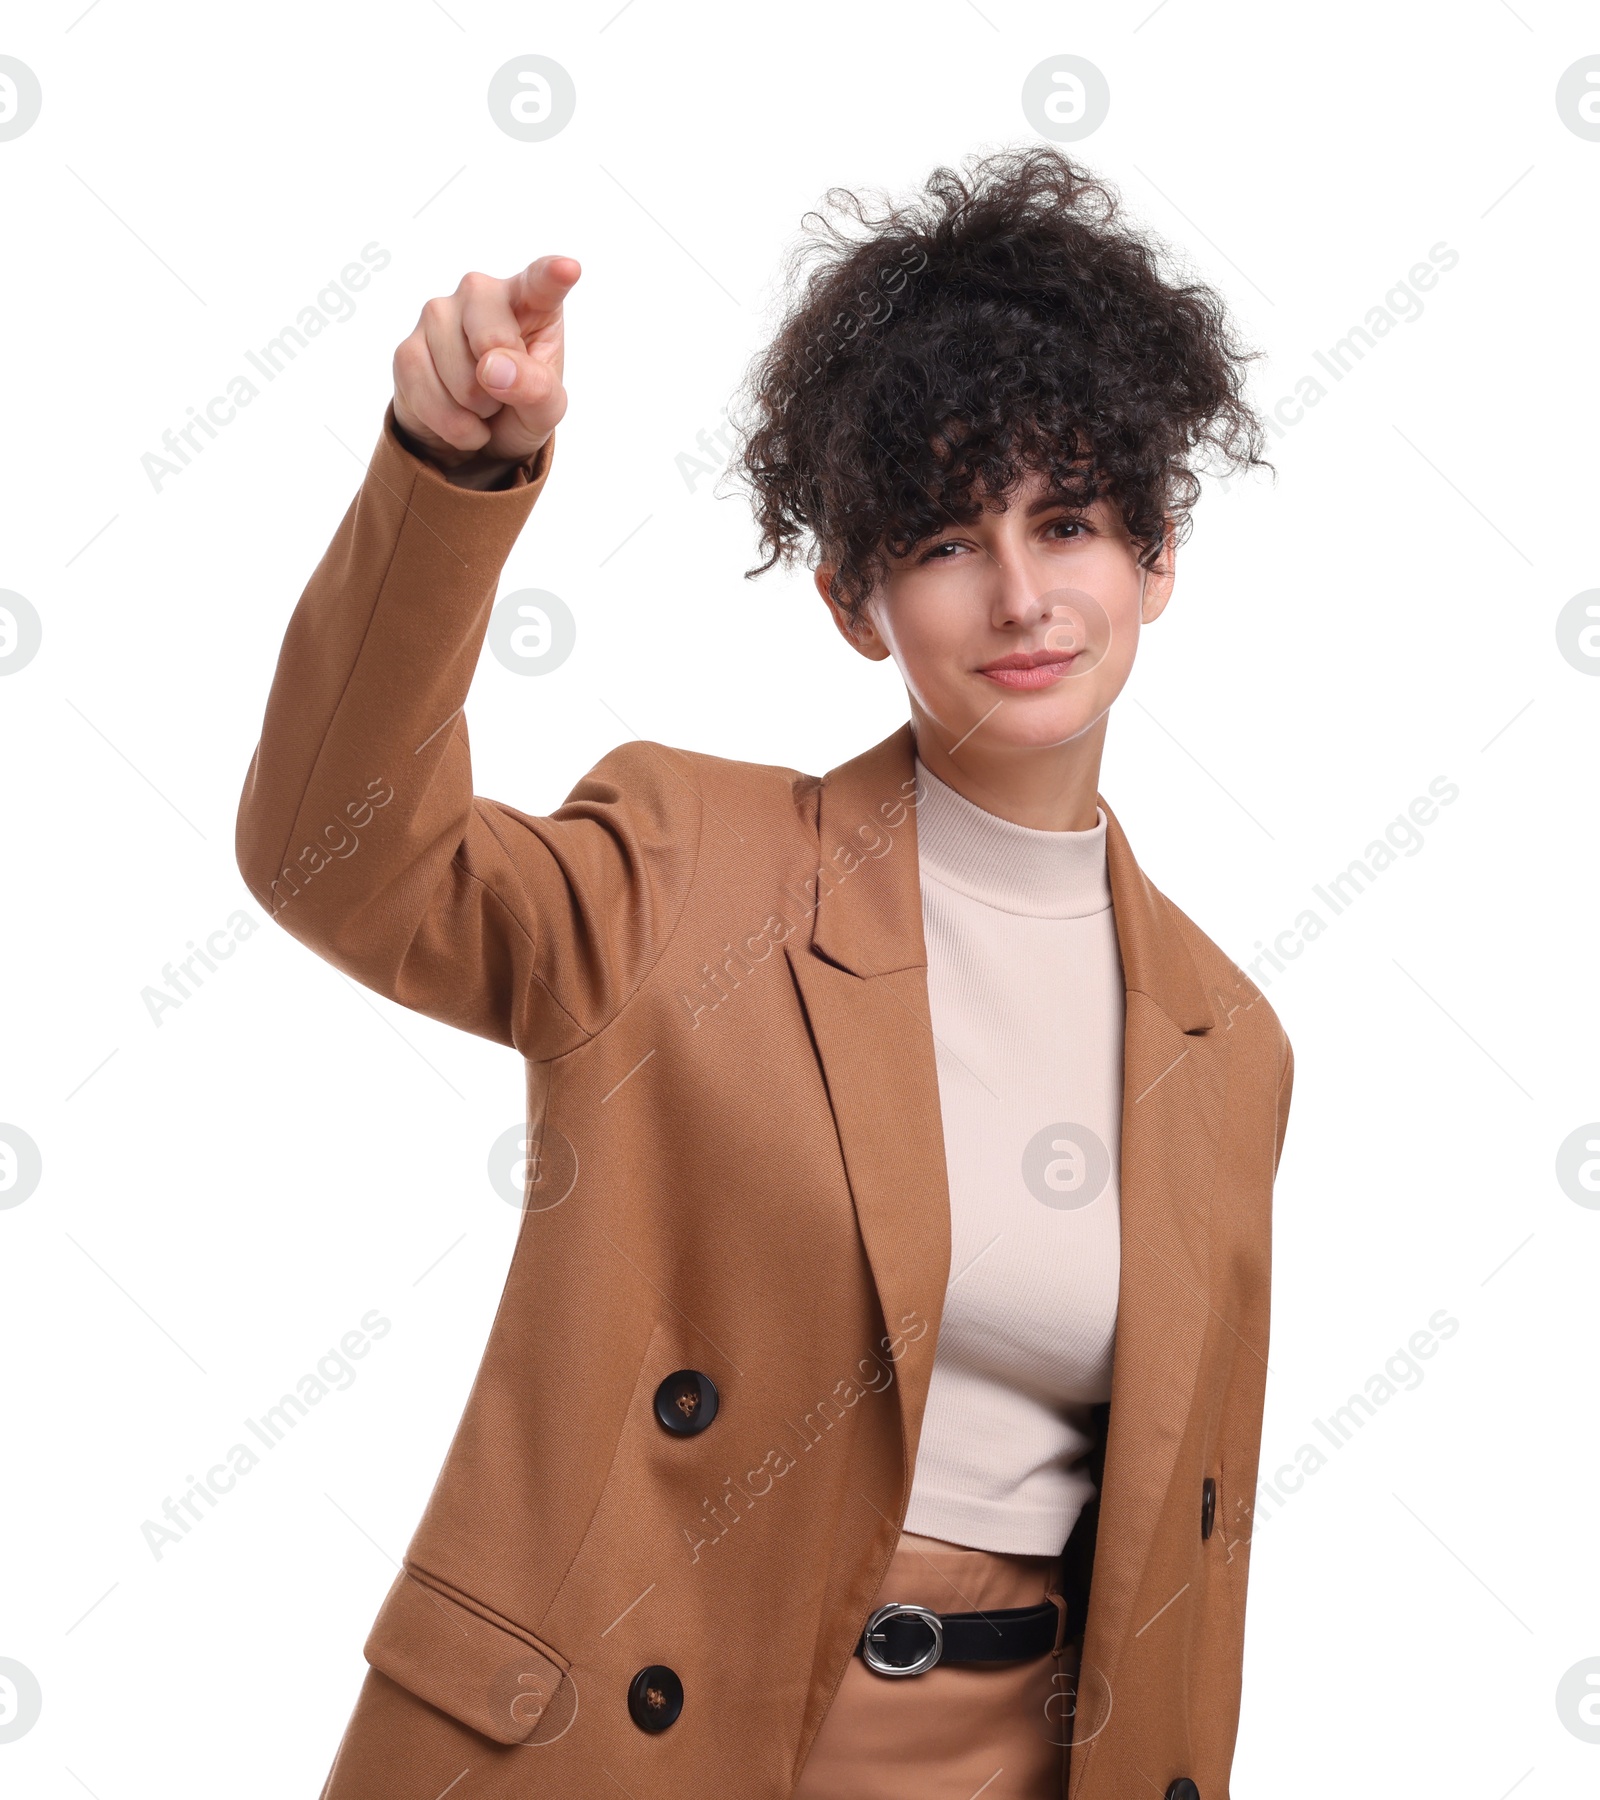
x,y
358,829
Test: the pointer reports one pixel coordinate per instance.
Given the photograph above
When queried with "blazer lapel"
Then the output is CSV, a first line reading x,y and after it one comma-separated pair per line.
x,y
1174,1083
863,979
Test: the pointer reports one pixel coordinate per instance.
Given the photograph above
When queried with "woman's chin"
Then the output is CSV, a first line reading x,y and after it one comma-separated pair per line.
x,y
1037,721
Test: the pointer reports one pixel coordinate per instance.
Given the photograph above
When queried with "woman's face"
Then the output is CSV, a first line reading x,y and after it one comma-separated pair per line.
x,y
1018,631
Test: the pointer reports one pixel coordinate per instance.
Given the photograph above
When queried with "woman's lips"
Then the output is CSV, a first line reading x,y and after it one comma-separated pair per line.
x,y
1014,672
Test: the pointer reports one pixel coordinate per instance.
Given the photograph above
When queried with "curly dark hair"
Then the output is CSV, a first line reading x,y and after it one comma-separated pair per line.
x,y
1008,321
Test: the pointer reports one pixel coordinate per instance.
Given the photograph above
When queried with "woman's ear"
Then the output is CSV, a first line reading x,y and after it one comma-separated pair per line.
x,y
1155,583
857,629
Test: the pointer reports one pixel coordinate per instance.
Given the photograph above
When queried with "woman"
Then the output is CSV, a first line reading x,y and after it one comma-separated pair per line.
x,y
866,1114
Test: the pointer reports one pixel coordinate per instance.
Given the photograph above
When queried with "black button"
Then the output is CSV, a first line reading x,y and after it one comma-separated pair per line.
x,y
686,1402
655,1698
1208,1506
1183,1789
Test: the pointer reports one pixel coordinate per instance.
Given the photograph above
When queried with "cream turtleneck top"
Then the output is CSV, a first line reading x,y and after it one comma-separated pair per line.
x,y
1026,992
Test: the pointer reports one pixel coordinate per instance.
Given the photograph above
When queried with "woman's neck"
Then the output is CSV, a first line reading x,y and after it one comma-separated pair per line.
x,y
1048,787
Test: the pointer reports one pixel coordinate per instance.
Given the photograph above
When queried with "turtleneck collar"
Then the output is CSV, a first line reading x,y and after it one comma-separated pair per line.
x,y
1047,874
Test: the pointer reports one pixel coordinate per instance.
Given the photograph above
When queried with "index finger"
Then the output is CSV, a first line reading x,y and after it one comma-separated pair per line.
x,y
537,292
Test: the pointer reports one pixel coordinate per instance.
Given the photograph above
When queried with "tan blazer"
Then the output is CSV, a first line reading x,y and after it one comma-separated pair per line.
x,y
716,973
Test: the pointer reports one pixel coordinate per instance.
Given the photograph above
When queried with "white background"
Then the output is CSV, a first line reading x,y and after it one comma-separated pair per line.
x,y
225,1194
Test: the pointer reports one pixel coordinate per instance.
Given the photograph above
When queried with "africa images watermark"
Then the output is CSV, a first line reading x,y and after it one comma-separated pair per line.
x,y
871,843
1401,305
334,1372
873,1374
695,469
339,842
1401,837
333,305
872,308
876,309
1402,1372
219,946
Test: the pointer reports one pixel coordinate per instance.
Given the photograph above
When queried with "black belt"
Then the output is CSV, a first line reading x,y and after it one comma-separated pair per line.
x,y
909,1640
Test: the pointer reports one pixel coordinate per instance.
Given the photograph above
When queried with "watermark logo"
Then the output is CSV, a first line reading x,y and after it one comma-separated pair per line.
x,y
21,1165
1578,1166
1066,1166
21,1700
533,1178
1578,1700
532,632
1080,627
21,632
532,97
519,1693
20,97
1578,98
1079,1706
1577,631
1065,98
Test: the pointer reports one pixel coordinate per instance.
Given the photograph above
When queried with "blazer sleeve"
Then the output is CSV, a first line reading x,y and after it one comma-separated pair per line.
x,y
358,829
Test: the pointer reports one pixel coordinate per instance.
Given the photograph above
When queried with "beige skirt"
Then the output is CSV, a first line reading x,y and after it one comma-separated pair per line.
x,y
962,1730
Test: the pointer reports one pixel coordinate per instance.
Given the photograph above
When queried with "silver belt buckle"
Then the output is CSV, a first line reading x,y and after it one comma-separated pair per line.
x,y
897,1609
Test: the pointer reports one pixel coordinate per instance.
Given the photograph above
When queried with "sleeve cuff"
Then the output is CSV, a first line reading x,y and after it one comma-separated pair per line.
x,y
530,473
